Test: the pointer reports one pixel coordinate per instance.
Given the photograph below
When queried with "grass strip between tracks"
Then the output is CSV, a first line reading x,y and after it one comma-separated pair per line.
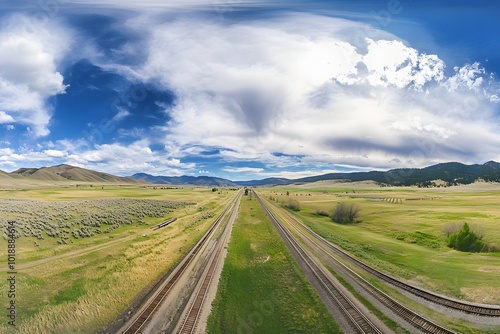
x,y
262,289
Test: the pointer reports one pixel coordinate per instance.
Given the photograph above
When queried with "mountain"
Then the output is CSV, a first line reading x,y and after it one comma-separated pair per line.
x,y
452,173
68,173
264,182
185,180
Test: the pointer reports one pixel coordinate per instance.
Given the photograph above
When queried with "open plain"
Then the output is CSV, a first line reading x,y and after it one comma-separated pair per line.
x,y
72,278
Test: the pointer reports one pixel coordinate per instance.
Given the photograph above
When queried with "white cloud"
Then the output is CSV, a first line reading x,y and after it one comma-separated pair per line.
x,y
55,153
29,55
468,76
5,118
126,160
393,63
6,151
120,115
252,170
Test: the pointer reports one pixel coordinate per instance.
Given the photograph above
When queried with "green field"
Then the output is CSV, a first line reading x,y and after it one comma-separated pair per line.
x,y
402,232
262,289
81,286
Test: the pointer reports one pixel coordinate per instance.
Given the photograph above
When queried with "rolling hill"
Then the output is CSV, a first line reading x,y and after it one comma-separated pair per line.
x,y
69,173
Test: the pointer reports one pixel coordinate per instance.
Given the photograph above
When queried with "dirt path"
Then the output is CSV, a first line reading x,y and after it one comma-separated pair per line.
x,y
71,254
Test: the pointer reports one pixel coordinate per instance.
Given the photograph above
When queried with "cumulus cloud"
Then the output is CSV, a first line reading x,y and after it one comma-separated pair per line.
x,y
5,118
283,96
29,55
55,153
393,63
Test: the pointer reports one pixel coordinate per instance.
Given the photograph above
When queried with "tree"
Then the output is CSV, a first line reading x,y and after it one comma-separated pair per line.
x,y
465,240
345,213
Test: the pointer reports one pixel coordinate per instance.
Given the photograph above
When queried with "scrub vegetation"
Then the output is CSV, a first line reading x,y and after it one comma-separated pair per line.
x,y
81,286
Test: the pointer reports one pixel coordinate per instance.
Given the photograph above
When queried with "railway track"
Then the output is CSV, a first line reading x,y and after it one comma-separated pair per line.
x,y
480,310
358,321
419,322
140,322
190,322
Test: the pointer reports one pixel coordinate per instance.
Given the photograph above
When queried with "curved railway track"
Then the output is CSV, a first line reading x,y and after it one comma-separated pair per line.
x,y
359,322
140,322
190,322
419,322
481,310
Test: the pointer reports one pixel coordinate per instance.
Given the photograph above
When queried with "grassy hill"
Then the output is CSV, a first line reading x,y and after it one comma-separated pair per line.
x,y
63,173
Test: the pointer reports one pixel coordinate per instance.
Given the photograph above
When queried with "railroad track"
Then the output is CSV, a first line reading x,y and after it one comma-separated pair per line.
x,y
191,320
139,323
423,324
359,322
480,310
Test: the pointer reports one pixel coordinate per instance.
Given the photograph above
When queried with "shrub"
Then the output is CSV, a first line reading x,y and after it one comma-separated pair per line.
x,y
322,213
345,213
465,240
293,204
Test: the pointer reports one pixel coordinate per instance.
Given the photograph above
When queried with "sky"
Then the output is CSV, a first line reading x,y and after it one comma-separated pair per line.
x,y
248,89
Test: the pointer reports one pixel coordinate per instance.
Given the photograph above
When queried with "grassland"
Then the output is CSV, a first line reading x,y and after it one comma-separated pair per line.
x,y
402,232
81,286
262,289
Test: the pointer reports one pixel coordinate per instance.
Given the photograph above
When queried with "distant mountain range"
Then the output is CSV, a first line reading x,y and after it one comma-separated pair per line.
x,y
451,173
185,180
64,173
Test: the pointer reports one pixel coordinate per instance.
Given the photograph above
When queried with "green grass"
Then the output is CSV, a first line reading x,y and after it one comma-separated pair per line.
x,y
262,289
408,240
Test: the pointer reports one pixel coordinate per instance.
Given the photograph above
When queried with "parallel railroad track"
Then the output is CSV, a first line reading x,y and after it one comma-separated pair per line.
x,y
359,322
423,324
190,322
141,321
480,310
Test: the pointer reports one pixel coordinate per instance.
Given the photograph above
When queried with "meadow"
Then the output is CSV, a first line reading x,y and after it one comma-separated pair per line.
x,y
402,232
82,285
262,289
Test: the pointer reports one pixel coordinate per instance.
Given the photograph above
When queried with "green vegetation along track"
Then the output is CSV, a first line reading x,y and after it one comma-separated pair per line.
x,y
354,316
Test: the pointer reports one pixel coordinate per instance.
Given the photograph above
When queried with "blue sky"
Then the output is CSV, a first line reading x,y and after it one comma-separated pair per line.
x,y
246,89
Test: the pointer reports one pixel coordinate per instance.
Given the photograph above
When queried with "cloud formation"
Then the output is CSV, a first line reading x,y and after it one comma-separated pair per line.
x,y
29,56
272,96
259,88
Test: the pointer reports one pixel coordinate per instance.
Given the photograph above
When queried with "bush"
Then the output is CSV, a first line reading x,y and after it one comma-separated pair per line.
x,y
293,204
465,240
345,213
322,213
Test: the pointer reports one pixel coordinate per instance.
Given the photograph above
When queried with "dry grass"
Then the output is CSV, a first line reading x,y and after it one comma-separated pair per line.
x,y
84,287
